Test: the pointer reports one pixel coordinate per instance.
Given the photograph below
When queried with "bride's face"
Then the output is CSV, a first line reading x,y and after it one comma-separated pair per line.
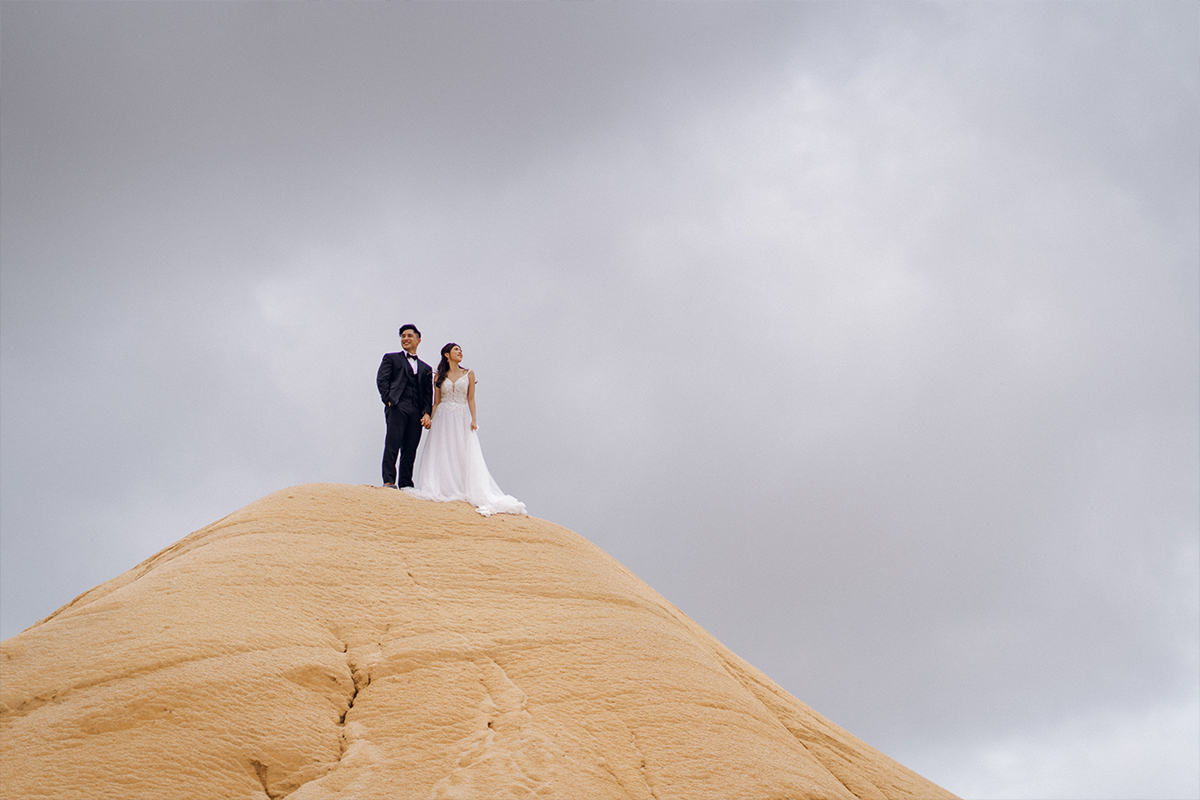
x,y
455,355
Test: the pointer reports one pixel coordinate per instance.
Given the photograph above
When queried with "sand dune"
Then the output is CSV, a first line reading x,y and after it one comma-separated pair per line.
x,y
333,641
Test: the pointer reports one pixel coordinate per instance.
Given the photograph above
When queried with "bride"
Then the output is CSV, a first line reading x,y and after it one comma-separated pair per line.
x,y
452,465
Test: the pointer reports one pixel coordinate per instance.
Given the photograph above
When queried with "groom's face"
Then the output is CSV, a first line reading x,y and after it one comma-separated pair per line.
x,y
409,340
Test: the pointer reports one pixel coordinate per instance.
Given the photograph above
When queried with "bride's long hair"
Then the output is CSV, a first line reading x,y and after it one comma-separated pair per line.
x,y
444,364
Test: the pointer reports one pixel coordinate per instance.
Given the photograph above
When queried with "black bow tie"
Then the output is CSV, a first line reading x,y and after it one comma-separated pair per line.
x,y
410,355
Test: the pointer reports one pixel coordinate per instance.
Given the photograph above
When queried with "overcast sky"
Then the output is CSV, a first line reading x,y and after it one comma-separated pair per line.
x,y
868,334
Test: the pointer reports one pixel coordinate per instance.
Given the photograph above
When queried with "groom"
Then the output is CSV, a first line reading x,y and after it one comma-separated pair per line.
x,y
406,388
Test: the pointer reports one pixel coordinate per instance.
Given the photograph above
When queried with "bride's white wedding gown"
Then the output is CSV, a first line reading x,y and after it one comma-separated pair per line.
x,y
451,464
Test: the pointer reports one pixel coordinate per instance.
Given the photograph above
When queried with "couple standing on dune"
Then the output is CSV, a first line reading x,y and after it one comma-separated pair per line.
x,y
452,466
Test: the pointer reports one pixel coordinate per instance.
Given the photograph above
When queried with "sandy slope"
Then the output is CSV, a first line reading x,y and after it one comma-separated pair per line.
x,y
335,641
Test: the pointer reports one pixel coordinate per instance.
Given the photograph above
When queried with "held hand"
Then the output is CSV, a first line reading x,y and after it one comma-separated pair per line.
x,y
426,422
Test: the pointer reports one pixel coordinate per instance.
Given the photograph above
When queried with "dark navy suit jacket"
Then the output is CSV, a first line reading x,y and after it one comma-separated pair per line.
x,y
397,383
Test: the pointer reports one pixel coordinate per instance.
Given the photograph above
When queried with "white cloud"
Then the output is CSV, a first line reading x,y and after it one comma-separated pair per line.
x,y
1129,754
867,334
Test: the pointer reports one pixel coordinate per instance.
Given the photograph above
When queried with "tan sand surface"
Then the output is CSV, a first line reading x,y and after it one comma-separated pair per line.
x,y
334,641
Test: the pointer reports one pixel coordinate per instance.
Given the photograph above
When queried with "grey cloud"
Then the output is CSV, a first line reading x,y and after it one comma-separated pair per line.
x,y
866,334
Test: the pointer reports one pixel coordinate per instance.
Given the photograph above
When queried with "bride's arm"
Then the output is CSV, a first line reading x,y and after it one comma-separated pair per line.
x,y
437,398
471,397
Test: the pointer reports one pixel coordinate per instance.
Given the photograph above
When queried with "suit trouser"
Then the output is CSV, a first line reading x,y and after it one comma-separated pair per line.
x,y
403,436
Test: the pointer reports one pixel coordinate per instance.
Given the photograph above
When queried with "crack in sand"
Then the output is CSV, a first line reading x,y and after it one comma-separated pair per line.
x,y
604,762
615,777
508,748
361,679
641,762
351,748
260,770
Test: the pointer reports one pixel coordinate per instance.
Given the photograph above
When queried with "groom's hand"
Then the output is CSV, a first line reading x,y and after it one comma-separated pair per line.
x,y
426,422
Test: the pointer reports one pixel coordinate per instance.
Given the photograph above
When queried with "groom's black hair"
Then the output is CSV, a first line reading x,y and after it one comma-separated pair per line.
x,y
403,328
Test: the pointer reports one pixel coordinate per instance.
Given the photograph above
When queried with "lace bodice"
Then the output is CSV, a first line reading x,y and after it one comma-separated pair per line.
x,y
455,392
